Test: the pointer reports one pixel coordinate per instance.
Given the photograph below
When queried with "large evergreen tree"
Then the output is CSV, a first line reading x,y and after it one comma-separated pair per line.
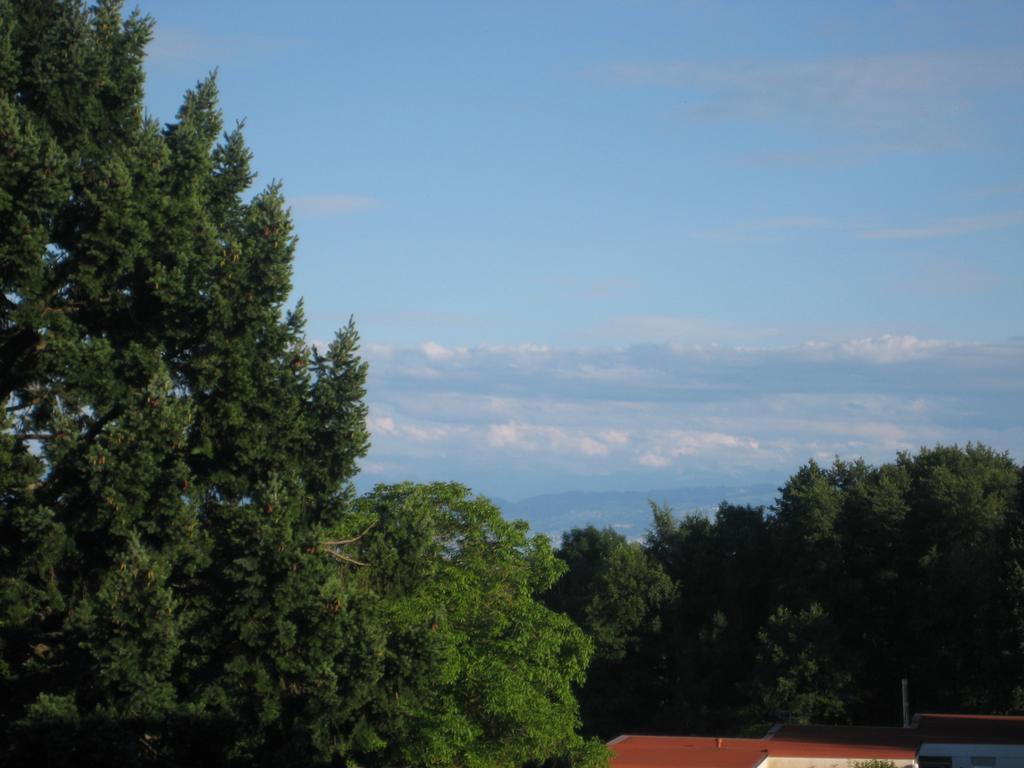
x,y
172,451
719,567
182,580
617,593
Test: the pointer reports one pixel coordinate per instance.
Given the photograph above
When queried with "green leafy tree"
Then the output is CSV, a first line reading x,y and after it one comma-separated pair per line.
x,y
476,671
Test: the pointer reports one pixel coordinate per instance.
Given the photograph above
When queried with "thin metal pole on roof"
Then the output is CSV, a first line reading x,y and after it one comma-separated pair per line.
x,y
906,703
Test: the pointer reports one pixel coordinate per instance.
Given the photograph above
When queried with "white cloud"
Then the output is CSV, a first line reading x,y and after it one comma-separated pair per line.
x,y
911,100
382,425
435,351
675,444
410,431
614,436
655,460
588,446
173,45
953,226
951,277
502,435
891,349
378,351
178,47
540,438
428,434
679,329
757,230
678,411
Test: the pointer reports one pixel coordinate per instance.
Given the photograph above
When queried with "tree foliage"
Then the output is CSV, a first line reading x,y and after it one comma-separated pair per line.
x,y
801,677
615,591
176,461
813,610
476,671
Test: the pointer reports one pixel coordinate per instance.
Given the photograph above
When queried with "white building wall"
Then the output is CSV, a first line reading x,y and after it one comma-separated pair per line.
x,y
831,762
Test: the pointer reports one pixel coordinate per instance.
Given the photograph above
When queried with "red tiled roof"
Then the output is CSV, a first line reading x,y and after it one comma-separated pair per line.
x,y
844,741
691,751
826,741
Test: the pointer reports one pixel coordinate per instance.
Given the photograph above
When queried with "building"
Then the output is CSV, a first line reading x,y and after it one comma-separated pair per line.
x,y
931,741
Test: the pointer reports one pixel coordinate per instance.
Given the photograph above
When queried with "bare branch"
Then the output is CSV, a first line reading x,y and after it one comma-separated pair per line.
x,y
331,547
343,558
353,540
144,741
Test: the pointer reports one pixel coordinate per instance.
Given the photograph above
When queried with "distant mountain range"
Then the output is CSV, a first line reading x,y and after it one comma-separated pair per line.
x,y
627,511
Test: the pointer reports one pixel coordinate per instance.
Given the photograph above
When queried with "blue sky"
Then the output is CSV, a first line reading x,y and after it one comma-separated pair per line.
x,y
623,244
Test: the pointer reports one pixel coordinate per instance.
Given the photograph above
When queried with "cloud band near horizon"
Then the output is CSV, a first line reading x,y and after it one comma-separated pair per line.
x,y
513,421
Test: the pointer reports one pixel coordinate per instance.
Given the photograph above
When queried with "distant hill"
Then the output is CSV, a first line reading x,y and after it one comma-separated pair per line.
x,y
626,511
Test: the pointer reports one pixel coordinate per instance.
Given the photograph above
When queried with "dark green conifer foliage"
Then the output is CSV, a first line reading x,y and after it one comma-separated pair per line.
x,y
800,679
955,546
1013,598
172,452
185,575
719,573
815,609
617,594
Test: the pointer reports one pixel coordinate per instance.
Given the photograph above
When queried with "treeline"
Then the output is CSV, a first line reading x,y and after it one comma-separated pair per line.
x,y
814,609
